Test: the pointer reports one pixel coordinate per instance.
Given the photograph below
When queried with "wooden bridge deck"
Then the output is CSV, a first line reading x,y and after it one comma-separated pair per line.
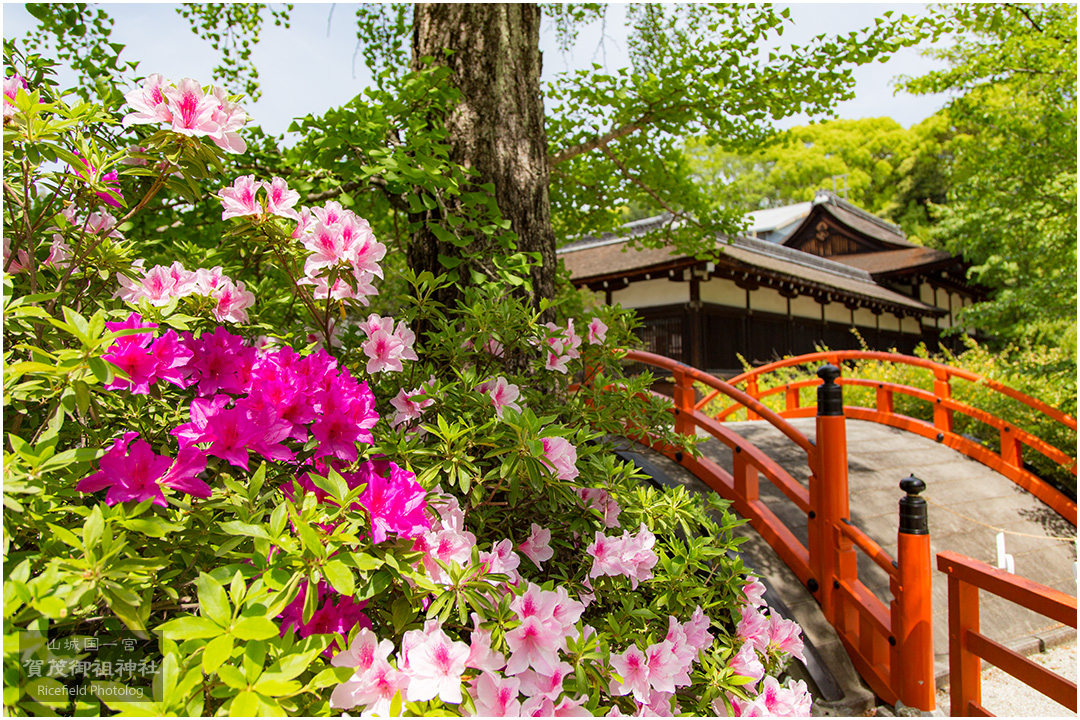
x,y
968,504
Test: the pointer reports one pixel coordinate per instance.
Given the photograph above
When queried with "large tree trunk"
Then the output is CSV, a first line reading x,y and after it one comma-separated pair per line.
x,y
497,128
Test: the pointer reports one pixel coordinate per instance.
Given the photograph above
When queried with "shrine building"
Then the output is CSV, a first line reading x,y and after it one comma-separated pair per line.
x,y
802,278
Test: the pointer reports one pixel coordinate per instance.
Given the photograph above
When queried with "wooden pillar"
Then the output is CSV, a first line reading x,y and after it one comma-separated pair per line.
x,y
697,351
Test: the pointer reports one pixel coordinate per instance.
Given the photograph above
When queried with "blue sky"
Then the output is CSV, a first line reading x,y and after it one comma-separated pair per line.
x,y
310,68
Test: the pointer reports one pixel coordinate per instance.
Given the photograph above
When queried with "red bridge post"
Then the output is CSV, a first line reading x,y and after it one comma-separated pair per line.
x,y
912,653
683,395
832,558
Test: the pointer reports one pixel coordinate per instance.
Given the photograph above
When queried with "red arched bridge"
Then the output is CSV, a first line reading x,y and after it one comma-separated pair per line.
x,y
890,645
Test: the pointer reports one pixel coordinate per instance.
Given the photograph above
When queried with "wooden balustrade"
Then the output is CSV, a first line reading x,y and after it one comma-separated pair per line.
x,y
968,646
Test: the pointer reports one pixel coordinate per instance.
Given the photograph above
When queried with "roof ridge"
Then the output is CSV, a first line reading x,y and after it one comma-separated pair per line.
x,y
843,204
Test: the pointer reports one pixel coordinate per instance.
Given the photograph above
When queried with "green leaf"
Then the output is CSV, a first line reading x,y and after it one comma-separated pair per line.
x,y
190,628
93,529
255,628
216,652
244,704
212,600
232,677
339,577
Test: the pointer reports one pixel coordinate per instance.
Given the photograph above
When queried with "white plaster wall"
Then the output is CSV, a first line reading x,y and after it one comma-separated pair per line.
x,y
768,300
836,313
650,293
865,318
722,292
926,293
804,306
911,325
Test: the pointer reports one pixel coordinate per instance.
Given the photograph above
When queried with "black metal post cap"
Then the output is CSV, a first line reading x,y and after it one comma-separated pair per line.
x,y
830,396
913,516
828,373
912,485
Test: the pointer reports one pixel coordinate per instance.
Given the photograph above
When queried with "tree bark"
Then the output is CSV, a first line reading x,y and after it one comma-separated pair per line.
x,y
497,129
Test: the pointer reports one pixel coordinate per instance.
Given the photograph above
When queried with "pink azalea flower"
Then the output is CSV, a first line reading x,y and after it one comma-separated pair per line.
x,y
597,331
659,705
751,708
697,630
503,395
373,689
496,696
535,602
663,666
435,668
233,300
600,499
549,686
446,545
538,706
408,409
534,644
280,199
12,85
754,591
632,666
784,636
21,261
192,109
109,180
561,457
567,611
238,200
148,102
229,118
746,663
753,627
364,651
556,362
536,546
629,555
502,559
385,352
569,707
481,656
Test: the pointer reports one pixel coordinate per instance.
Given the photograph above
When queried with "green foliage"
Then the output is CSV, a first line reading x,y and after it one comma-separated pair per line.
x,y
233,30
885,169
1011,208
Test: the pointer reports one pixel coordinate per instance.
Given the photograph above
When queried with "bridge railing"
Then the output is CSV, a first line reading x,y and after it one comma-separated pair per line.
x,y
968,646
891,647
1009,458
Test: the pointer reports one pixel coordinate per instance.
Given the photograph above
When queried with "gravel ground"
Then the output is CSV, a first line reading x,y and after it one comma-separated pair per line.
x,y
1005,696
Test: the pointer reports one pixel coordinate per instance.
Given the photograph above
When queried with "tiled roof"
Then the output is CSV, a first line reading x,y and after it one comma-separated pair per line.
x,y
611,259
889,262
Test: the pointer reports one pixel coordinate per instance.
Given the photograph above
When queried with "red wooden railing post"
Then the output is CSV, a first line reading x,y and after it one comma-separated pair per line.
x,y
943,417
752,391
965,681
912,653
683,394
791,398
832,558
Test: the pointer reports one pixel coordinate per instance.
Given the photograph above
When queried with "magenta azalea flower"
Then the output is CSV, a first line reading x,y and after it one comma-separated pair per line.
x,y
132,471
394,500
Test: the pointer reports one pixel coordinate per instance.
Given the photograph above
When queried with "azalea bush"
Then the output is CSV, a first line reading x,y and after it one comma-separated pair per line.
x,y
257,490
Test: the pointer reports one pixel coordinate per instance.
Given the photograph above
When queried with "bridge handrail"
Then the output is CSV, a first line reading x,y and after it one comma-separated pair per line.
x,y
967,645
725,388
870,548
1032,441
942,372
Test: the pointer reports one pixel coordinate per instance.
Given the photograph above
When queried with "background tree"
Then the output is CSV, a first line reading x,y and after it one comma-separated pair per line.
x,y
886,169
1011,207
